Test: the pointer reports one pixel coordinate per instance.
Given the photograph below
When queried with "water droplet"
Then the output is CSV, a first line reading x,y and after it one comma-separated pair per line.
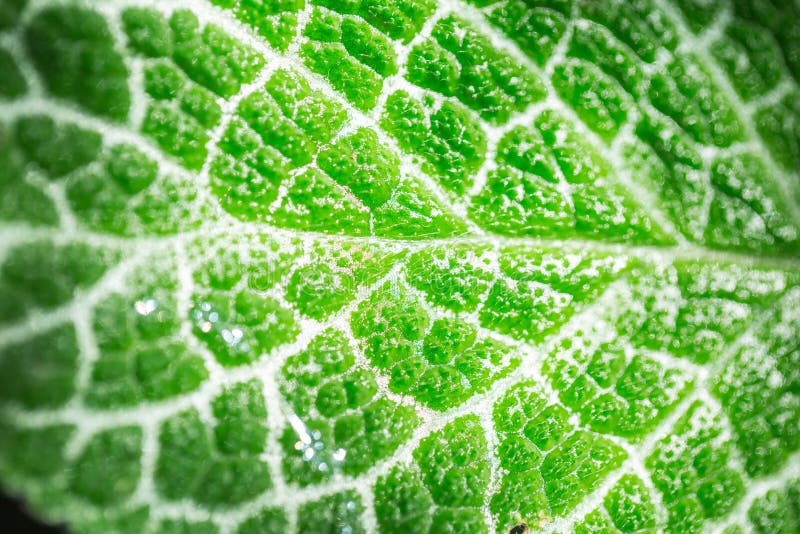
x,y
145,307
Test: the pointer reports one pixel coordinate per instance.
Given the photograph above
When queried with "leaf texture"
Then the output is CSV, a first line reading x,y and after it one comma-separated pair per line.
x,y
392,266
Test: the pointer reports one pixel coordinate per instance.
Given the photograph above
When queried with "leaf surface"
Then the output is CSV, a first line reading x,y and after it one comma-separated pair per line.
x,y
392,266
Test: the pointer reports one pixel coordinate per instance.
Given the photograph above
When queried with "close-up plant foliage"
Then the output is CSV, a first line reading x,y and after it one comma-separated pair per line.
x,y
401,266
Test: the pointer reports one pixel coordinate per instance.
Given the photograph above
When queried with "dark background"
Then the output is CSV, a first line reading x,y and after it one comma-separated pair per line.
x,y
15,519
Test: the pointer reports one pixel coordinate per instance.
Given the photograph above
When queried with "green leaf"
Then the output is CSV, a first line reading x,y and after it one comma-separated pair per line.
x,y
401,266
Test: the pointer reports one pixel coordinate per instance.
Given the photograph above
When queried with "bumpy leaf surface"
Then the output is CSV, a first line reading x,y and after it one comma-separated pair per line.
x,y
350,266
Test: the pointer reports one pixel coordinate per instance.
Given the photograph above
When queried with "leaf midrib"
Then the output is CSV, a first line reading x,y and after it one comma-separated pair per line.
x,y
11,235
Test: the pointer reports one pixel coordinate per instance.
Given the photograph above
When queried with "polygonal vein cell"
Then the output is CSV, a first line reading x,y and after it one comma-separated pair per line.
x,y
274,21
399,19
524,194
777,510
627,507
21,201
40,372
108,469
353,44
698,311
459,61
611,374
547,464
142,354
647,28
686,93
279,163
75,53
614,389
231,313
446,135
777,123
749,57
727,207
693,470
536,29
113,188
186,70
41,275
539,291
442,362
13,84
758,389
216,464
596,98
341,423
354,56
443,491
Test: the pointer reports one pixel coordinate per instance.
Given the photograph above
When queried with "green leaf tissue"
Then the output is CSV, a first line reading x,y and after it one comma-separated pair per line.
x,y
401,266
